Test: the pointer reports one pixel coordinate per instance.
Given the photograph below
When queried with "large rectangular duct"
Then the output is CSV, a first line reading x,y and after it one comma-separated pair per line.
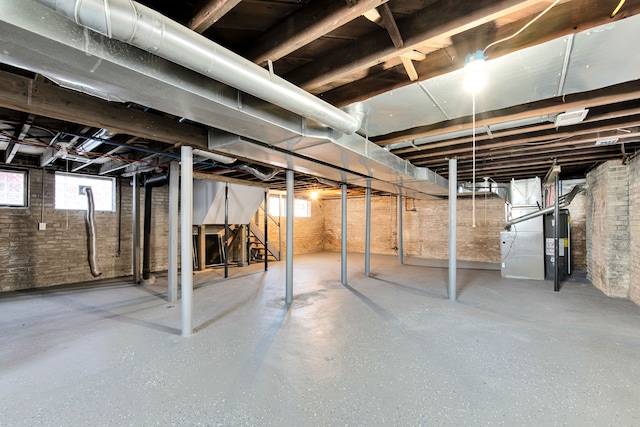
x,y
36,38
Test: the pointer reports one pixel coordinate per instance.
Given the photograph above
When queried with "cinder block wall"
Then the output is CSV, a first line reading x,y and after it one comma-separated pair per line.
x,y
58,255
634,230
608,236
425,227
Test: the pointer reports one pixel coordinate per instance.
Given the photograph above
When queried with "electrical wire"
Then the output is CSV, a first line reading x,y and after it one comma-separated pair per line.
x,y
617,9
525,26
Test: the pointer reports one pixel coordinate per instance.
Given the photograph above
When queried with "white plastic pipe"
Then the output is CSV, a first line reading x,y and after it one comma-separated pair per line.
x,y
140,26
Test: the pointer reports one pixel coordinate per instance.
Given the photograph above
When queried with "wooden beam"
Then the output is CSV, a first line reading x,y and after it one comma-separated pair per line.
x,y
210,13
389,23
431,23
530,130
304,26
409,68
43,99
624,92
580,139
19,135
560,21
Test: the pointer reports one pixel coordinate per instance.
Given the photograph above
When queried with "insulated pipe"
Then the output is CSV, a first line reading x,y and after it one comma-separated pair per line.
x,y
91,232
289,262
453,194
140,26
186,238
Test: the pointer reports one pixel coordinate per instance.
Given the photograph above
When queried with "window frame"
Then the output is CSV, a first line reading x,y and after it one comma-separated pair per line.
x,y
25,189
281,202
84,176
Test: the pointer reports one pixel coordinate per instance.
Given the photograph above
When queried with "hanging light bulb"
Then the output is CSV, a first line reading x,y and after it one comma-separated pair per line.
x,y
475,77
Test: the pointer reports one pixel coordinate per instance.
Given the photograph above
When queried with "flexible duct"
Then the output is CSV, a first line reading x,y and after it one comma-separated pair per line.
x,y
140,26
149,182
91,232
218,158
261,175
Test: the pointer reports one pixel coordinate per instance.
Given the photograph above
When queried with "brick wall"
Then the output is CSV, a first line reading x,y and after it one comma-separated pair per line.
x,y
308,233
578,211
425,227
607,230
634,230
58,255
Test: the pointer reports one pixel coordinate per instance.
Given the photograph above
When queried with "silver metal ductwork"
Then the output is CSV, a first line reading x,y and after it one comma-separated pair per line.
x,y
563,201
242,125
261,175
140,26
588,60
91,232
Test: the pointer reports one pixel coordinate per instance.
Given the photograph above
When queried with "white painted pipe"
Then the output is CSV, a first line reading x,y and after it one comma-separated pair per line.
x,y
140,26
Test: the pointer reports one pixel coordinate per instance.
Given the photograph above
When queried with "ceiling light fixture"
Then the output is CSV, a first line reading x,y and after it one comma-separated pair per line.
x,y
475,78
474,81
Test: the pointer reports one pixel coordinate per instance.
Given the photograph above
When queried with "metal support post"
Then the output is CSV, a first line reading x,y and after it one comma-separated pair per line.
x,y
556,236
400,241
344,235
226,230
186,238
174,186
289,244
136,228
266,230
453,194
367,237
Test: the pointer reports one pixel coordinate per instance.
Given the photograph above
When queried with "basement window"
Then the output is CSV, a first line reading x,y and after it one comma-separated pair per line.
x,y
278,207
13,188
68,194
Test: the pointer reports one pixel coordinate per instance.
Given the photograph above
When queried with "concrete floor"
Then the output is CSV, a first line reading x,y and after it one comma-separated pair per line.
x,y
381,351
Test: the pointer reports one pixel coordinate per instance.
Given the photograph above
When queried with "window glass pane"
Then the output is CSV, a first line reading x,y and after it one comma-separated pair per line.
x,y
274,206
68,195
13,188
301,207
